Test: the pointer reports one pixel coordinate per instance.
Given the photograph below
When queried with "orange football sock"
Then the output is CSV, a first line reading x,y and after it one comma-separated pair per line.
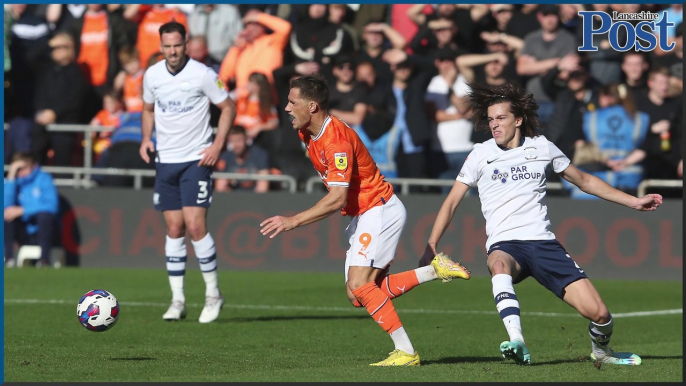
x,y
399,284
379,306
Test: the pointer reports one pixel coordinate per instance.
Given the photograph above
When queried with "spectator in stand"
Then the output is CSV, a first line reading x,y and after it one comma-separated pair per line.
x,y
437,34
346,97
30,205
452,127
401,21
255,50
674,62
315,38
256,112
219,24
411,77
61,16
148,29
542,51
375,37
524,21
495,30
101,36
110,115
129,81
154,58
376,129
466,16
661,145
28,48
635,67
338,15
616,130
242,158
575,93
197,50
60,97
124,153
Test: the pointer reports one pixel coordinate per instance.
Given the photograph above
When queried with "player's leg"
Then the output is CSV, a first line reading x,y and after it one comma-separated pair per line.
x,y
504,267
175,251
374,237
196,196
584,297
167,199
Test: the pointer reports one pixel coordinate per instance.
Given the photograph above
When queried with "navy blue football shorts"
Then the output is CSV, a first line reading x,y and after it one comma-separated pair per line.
x,y
182,184
545,260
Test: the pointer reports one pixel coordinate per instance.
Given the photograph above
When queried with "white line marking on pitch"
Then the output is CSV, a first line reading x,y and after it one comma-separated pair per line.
x,y
351,309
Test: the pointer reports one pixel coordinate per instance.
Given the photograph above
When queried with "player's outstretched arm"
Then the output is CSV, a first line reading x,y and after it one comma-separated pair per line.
x,y
443,219
593,185
334,201
147,123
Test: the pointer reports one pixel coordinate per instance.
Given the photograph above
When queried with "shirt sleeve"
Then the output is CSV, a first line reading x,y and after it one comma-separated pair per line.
x,y
148,96
213,87
339,157
469,174
558,159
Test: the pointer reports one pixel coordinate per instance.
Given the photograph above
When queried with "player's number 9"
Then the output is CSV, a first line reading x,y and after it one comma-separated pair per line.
x,y
365,240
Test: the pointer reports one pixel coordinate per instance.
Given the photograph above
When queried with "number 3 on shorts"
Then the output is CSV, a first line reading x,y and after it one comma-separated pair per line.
x,y
203,190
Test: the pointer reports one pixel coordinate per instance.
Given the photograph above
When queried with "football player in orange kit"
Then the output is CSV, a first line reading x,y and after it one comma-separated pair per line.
x,y
357,189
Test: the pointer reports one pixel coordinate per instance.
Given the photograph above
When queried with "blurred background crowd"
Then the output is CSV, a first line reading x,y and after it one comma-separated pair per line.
x,y
398,74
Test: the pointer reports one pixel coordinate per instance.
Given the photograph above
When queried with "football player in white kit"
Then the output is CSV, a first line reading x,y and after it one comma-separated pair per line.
x,y
509,171
177,93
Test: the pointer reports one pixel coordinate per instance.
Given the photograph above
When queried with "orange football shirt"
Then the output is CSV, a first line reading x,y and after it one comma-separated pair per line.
x,y
341,159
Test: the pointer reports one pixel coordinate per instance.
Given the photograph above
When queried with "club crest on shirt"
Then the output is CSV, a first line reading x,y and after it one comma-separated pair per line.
x,y
322,158
341,160
185,86
530,153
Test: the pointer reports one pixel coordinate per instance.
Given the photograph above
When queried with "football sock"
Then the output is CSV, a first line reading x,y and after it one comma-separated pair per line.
x,y
381,309
600,335
507,305
207,256
400,283
175,249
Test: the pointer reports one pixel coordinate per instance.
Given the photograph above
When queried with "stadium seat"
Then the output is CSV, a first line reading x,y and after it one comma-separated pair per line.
x,y
32,252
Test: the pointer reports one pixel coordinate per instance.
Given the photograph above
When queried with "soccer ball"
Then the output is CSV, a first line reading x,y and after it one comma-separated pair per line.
x,y
98,310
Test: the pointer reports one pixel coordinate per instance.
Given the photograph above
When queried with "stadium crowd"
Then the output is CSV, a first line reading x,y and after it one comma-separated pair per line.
x,y
398,74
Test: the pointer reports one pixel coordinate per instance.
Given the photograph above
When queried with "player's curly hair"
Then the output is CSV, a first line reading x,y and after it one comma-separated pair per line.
x,y
522,104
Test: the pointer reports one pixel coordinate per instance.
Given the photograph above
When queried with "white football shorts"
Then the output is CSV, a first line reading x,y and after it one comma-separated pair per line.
x,y
374,236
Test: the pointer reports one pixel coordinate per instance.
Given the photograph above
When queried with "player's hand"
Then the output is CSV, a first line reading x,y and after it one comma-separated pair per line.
x,y
429,254
648,202
146,146
276,225
13,212
210,155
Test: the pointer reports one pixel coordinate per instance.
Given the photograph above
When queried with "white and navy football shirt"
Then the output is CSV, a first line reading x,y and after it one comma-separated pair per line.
x,y
512,187
182,114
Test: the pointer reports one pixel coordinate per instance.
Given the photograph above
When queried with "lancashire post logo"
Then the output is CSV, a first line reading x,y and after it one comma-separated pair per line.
x,y
639,38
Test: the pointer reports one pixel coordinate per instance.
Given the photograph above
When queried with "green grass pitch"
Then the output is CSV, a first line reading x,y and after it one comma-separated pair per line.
x,y
300,327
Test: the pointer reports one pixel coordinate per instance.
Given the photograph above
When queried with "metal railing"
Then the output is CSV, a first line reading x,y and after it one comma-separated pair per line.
x,y
405,183
81,179
645,184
